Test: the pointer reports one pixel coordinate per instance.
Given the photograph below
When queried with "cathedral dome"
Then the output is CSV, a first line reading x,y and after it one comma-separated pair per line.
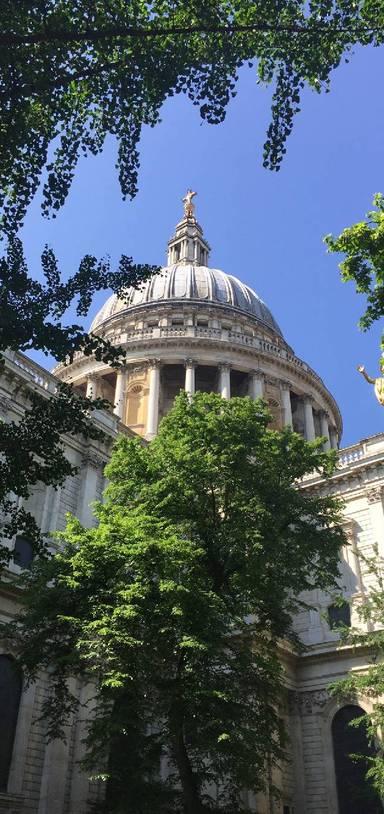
x,y
195,328
193,283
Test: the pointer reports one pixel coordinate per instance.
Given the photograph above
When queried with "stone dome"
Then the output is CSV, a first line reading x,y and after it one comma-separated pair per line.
x,y
195,328
194,283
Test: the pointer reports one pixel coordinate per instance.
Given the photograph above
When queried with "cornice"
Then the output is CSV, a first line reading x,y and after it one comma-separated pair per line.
x,y
346,473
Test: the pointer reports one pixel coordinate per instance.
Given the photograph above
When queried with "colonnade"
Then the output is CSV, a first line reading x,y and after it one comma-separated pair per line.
x,y
256,389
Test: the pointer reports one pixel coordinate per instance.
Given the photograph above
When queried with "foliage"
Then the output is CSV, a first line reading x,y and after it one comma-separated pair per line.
x,y
31,310
175,604
370,683
363,247
73,72
30,318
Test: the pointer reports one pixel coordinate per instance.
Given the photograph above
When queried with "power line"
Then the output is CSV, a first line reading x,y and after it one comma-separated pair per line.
x,y
10,39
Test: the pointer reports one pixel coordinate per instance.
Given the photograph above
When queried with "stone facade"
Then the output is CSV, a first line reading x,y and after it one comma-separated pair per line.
x,y
232,345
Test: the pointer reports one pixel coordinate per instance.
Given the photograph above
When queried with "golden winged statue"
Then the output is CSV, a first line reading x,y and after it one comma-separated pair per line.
x,y
189,209
378,383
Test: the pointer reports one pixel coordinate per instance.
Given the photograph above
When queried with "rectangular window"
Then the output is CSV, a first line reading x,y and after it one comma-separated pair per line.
x,y
339,615
23,552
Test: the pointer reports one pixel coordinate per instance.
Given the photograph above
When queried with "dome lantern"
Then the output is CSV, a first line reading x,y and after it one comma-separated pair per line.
x,y
188,244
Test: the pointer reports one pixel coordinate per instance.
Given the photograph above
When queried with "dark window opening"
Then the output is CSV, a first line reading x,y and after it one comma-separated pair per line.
x,y
206,379
10,692
339,615
23,553
355,794
239,383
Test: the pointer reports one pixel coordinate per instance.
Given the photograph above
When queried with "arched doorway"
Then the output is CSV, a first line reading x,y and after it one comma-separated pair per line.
x,y
355,795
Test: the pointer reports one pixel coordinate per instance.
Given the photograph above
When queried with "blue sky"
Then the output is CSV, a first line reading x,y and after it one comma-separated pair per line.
x,y
265,228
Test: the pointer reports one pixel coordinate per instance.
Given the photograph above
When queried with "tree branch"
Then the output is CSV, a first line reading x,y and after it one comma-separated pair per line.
x,y
9,39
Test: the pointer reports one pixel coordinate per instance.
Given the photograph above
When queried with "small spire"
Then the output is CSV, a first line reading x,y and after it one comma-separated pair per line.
x,y
188,244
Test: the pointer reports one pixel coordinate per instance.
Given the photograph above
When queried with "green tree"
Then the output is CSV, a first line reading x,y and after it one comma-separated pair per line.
x,y
363,247
369,683
175,604
31,315
73,72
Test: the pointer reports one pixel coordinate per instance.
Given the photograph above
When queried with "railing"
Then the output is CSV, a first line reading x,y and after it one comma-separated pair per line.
x,y
41,377
351,454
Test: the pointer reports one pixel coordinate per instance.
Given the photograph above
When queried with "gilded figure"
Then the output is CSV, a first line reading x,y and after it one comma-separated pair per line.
x,y
189,208
378,383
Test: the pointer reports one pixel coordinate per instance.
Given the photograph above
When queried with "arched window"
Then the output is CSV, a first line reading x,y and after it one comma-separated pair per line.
x,y
134,404
10,692
355,794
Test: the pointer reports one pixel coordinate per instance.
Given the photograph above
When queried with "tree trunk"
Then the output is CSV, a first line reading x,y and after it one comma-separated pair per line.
x,y
192,803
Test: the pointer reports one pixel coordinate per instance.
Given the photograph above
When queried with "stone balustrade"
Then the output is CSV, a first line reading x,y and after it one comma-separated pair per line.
x,y
200,332
31,370
351,454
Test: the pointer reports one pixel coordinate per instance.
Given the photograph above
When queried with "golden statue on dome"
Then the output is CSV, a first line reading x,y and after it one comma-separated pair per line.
x,y
379,382
189,208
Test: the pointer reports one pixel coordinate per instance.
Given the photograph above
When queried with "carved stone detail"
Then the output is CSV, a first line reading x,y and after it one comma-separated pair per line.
x,y
258,373
308,702
375,494
5,405
153,363
94,460
285,384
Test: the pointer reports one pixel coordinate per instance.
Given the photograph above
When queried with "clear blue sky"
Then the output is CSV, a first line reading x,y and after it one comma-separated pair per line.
x,y
265,228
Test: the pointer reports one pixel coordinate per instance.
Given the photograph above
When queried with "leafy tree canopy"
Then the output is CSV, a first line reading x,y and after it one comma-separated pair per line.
x,y
363,247
31,311
74,71
175,604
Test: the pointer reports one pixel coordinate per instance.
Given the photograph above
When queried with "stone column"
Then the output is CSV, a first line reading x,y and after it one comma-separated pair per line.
x,y
225,380
325,429
153,399
333,437
375,496
308,419
79,789
119,404
92,466
256,384
286,401
53,781
190,367
91,386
